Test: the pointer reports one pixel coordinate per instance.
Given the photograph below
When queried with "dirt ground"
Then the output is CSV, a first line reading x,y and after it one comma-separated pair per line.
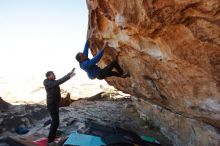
x,y
102,109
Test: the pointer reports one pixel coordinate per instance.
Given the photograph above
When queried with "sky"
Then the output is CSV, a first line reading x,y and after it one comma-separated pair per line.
x,y
41,35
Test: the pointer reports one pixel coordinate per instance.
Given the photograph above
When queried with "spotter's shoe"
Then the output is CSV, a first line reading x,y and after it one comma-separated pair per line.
x,y
52,144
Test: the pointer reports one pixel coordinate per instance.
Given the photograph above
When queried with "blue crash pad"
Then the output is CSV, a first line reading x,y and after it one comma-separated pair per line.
x,y
83,140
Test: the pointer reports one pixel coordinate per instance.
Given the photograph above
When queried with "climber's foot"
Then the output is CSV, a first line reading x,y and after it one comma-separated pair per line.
x,y
125,75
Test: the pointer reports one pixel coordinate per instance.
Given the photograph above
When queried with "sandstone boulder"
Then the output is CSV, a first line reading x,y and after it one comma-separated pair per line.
x,y
170,47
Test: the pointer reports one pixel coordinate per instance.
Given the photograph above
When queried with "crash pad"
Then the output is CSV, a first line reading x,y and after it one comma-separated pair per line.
x,y
79,139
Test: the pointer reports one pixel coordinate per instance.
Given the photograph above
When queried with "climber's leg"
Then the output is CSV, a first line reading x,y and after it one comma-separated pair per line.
x,y
114,64
107,71
103,74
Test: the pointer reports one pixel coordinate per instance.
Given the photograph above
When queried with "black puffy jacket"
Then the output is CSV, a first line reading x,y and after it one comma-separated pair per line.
x,y
53,89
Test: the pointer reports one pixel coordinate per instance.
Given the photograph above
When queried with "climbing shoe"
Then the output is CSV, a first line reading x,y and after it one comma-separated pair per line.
x,y
125,75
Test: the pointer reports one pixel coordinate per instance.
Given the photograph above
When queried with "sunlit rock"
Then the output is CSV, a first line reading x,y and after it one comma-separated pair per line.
x,y
170,47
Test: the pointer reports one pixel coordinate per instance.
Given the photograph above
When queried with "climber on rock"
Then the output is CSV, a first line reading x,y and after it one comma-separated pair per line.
x,y
93,71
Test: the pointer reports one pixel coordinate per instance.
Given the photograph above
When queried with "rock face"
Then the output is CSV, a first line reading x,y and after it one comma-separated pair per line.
x,y
3,105
181,130
170,47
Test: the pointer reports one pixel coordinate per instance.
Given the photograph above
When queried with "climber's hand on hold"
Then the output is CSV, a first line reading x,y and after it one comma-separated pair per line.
x,y
105,45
